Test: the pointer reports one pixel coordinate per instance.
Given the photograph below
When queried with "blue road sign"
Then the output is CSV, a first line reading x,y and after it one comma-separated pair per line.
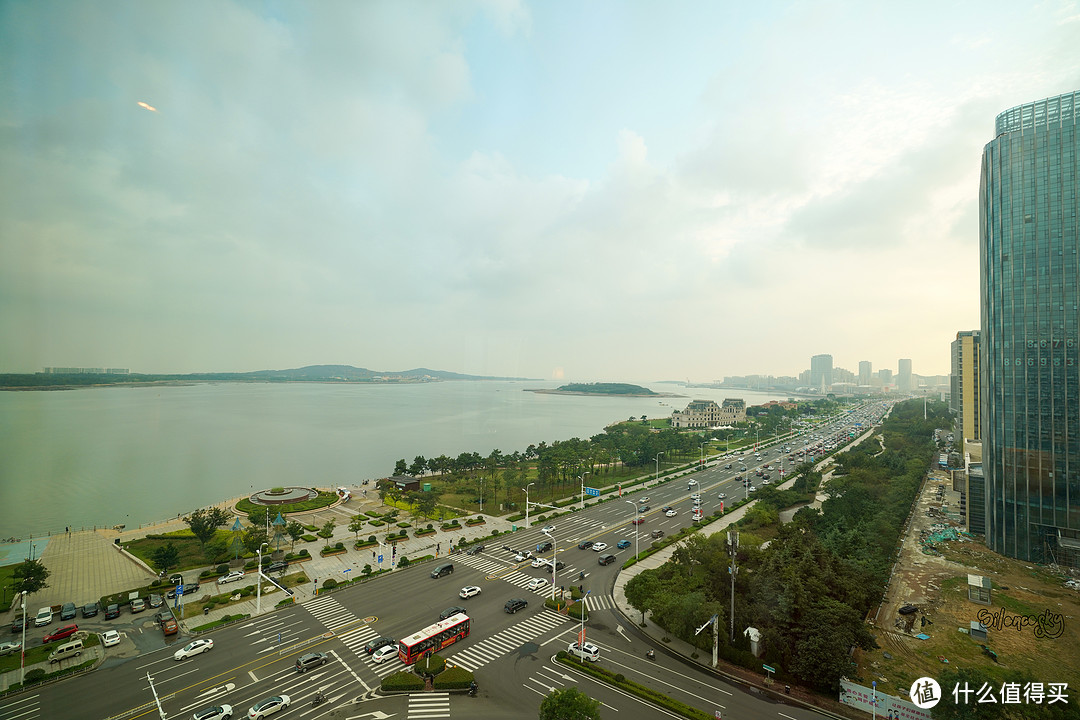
x,y
592,492
380,558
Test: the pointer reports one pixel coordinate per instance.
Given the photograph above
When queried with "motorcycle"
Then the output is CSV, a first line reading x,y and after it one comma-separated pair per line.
x,y
651,654
318,700
472,690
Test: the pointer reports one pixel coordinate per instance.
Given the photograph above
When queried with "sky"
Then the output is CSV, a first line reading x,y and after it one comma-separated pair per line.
x,y
599,191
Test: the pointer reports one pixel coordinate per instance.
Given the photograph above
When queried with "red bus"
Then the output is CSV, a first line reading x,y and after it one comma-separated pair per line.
x,y
434,638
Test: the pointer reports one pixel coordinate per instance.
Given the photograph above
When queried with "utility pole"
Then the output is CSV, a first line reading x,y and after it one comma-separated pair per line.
x,y
157,700
715,622
733,548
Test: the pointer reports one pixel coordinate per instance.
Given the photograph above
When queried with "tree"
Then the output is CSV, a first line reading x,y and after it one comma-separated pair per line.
x,y
205,522
642,590
401,467
419,465
294,530
569,704
30,575
253,539
327,530
165,557
425,503
356,524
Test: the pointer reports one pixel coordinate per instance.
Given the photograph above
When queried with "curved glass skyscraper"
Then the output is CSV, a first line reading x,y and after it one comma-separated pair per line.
x,y
1028,223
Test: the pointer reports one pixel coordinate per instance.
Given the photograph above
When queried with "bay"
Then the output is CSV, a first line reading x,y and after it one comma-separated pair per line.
x,y
136,455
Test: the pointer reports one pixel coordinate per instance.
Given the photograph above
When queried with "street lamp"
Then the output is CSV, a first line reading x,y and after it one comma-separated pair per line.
x,y
701,453
526,491
658,465
258,586
22,650
582,478
634,505
554,555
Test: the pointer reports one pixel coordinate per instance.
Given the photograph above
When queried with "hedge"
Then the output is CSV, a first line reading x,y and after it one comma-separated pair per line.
x,y
454,678
630,686
403,680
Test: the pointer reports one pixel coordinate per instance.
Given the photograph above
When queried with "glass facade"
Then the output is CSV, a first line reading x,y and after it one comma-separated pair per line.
x,y
1030,376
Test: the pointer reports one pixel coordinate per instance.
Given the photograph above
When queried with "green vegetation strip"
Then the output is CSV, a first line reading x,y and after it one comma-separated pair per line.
x,y
324,499
619,681
226,620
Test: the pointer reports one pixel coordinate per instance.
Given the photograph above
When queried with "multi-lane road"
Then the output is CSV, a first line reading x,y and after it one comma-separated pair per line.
x,y
511,654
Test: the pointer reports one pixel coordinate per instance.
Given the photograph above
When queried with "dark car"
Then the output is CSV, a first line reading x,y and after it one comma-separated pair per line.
x,y
475,550
451,611
90,610
543,547
309,660
655,534
112,611
68,611
188,589
279,566
377,643
154,600
643,508
60,633
19,623
515,604
606,559
584,545
161,616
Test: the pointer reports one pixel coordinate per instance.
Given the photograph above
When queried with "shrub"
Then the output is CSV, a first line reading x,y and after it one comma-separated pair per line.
x,y
155,583
221,569
329,584
402,680
303,553
403,562
430,526
435,665
35,675
367,569
453,678
371,538
339,546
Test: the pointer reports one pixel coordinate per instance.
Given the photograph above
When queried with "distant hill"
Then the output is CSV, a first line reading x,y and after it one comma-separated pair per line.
x,y
309,373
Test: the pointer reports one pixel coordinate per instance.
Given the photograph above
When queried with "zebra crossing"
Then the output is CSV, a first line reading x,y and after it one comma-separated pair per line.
x,y
429,705
356,639
329,612
507,640
599,602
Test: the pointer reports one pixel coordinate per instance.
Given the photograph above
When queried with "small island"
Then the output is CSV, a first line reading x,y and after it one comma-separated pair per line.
x,y
617,389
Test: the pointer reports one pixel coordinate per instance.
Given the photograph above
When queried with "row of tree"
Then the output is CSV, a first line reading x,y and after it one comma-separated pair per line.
x,y
809,589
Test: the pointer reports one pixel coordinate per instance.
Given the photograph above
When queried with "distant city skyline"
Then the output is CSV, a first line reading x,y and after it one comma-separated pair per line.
x,y
558,190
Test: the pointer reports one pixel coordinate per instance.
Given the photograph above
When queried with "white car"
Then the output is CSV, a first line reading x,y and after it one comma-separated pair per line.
x,y
468,592
671,513
752,489
269,706
234,575
43,617
214,712
588,651
695,496
722,495
384,653
522,556
643,500
599,547
110,638
193,648
547,528
537,583
9,647
538,562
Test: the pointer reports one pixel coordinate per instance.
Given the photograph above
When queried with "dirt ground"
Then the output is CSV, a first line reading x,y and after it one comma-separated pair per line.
x,y
936,584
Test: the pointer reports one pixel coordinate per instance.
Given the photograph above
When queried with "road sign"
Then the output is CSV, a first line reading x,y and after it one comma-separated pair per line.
x,y
380,558
769,669
592,492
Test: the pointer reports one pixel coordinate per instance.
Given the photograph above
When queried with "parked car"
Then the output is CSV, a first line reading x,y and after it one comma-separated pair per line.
x,y
89,610
194,647
43,617
310,660
19,623
469,591
451,611
622,544
169,627
110,638
60,633
377,643
112,611
138,605
68,611
231,577
269,706
188,590
9,647
277,566
154,600
515,604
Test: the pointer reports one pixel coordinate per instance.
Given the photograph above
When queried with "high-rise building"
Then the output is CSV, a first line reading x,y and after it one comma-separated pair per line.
x,y
886,376
964,386
903,376
821,372
866,369
1029,227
